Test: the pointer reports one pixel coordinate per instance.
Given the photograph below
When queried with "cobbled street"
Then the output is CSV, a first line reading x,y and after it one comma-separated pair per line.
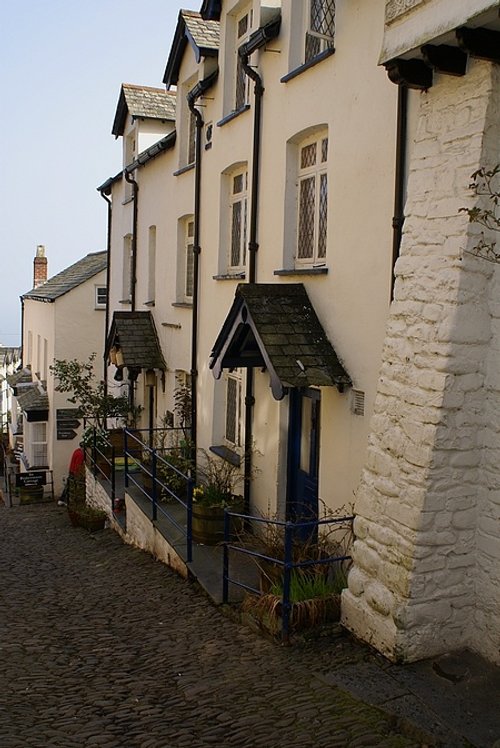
x,y
102,646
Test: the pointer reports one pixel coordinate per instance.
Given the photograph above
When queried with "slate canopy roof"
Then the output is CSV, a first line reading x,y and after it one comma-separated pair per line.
x,y
274,325
203,36
134,333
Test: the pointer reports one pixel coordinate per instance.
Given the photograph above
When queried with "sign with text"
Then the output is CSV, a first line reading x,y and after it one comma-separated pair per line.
x,y
66,422
31,479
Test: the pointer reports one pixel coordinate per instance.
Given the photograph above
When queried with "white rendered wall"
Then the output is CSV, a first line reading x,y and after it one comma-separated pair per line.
x,y
427,553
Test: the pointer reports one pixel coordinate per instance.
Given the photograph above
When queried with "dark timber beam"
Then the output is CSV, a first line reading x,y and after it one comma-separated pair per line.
x,y
445,59
481,43
410,73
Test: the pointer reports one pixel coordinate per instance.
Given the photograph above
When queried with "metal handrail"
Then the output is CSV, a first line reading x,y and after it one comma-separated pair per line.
x,y
157,460
287,562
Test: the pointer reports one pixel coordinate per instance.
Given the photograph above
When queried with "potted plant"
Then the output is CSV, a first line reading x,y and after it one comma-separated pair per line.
x,y
317,578
214,492
88,517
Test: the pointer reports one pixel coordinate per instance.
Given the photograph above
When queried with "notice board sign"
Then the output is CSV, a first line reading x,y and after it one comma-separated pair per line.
x,y
31,479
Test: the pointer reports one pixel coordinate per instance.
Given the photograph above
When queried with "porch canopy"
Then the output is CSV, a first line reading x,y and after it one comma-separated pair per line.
x,y
134,336
274,326
34,402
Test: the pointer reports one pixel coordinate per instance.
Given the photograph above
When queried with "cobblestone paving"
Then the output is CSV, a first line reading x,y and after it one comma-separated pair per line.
x,y
102,646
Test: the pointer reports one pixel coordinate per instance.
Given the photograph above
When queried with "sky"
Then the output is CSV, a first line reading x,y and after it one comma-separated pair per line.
x,y
62,63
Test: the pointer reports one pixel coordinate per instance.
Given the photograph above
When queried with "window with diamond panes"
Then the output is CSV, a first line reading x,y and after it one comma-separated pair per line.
x,y
238,205
312,201
191,154
188,287
233,409
243,25
320,28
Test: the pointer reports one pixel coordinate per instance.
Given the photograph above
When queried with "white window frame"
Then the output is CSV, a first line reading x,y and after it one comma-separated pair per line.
x,y
233,409
188,284
127,270
238,201
322,39
241,79
36,443
316,174
191,139
99,290
151,264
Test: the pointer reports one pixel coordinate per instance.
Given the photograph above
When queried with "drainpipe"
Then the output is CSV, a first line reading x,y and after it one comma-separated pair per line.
x,y
133,271
256,41
130,179
108,280
192,97
399,177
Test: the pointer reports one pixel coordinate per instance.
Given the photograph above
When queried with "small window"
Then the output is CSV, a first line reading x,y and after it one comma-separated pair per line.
x,y
320,32
242,83
151,263
238,219
233,409
100,297
312,201
127,269
191,150
189,261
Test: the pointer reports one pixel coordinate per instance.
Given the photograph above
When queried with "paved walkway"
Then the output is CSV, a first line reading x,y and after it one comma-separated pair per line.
x,y
102,646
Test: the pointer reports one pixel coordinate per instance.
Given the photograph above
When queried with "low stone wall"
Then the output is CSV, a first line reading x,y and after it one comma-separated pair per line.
x,y
140,531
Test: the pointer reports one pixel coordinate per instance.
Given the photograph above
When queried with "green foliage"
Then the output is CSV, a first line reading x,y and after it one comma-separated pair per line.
x,y
217,481
486,184
305,585
78,380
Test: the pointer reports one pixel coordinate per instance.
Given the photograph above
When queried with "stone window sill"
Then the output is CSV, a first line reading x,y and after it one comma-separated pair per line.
x,y
302,271
227,454
183,170
302,68
232,115
229,276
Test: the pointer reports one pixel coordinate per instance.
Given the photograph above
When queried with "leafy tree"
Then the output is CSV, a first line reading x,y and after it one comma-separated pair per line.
x,y
87,393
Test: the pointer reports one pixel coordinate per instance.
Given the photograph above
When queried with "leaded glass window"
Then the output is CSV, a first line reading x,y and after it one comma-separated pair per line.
x,y
238,205
320,31
243,25
188,288
312,201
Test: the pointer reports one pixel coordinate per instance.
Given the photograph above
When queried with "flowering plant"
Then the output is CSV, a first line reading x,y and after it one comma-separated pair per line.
x,y
218,480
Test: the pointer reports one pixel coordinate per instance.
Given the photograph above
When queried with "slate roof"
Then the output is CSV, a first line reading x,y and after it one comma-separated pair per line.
x,y
143,101
8,354
69,278
33,398
21,376
202,35
275,324
135,334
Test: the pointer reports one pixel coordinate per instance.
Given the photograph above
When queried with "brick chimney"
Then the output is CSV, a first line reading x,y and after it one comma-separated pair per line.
x,y
39,267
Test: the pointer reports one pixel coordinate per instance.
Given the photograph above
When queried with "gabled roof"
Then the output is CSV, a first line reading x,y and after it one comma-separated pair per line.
x,y
134,333
21,376
202,35
274,325
69,278
34,402
145,102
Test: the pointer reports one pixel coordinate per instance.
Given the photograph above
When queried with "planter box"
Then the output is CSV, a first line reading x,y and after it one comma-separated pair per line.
x,y
208,523
87,518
